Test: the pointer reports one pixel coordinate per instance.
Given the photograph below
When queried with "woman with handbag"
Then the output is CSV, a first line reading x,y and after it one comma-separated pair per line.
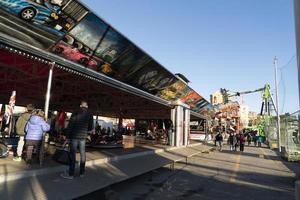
x,y
35,128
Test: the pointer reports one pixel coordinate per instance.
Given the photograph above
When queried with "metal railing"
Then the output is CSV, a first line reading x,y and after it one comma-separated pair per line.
x,y
289,132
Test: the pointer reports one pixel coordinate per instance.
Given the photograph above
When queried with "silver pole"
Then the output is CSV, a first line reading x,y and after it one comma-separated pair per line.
x,y
48,90
277,105
297,33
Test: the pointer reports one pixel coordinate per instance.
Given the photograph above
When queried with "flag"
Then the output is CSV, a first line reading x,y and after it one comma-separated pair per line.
x,y
10,108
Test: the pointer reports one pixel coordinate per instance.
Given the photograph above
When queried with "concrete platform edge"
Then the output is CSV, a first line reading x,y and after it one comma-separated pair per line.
x,y
61,168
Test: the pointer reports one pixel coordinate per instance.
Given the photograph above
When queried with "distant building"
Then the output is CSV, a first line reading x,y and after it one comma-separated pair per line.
x,y
216,98
244,117
252,117
227,115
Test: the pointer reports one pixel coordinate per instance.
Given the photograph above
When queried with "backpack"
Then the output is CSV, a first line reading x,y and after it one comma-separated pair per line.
x,y
62,155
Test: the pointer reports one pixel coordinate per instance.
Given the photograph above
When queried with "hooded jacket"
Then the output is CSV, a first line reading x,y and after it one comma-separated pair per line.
x,y
35,128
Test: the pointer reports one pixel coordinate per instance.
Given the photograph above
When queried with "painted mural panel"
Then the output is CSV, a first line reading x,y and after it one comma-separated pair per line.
x,y
39,22
129,63
192,98
81,42
112,46
174,91
152,78
89,31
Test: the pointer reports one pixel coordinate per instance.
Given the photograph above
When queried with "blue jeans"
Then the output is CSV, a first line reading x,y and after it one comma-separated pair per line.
x,y
74,143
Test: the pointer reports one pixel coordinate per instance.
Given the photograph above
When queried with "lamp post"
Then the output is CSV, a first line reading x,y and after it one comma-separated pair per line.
x,y
297,34
277,104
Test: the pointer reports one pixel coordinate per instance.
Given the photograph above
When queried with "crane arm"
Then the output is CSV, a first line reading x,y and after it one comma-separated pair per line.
x,y
246,92
226,93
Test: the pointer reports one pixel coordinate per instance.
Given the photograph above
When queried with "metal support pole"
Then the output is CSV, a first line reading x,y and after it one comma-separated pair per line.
x,y
297,33
48,90
42,148
173,119
273,103
187,114
277,105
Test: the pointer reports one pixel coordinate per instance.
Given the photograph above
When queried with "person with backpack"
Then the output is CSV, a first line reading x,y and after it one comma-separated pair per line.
x,y
20,129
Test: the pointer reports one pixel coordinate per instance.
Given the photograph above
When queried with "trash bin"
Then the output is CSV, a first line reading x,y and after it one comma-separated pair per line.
x,y
128,141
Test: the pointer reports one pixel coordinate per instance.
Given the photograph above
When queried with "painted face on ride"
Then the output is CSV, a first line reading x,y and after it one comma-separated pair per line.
x,y
57,2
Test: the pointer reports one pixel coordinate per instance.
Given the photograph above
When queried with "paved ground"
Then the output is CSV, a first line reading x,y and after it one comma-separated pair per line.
x,y
120,165
257,173
7,165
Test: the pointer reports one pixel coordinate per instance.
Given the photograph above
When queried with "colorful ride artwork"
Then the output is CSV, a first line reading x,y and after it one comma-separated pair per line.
x,y
49,15
70,30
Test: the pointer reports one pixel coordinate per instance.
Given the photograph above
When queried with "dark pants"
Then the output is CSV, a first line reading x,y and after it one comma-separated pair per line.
x,y
242,147
74,143
220,144
30,145
255,142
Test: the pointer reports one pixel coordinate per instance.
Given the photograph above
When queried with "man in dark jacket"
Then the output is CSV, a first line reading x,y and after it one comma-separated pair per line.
x,y
81,122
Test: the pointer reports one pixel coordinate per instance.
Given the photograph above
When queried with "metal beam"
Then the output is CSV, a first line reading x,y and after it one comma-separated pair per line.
x,y
14,43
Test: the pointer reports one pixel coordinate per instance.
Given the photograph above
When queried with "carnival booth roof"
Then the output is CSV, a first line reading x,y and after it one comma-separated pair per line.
x,y
93,61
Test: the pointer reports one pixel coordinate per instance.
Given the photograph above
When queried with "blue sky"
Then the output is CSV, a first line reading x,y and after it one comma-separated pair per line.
x,y
214,43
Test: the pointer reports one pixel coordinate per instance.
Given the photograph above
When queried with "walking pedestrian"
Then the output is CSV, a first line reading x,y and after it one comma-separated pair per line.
x,y
255,138
259,140
231,140
236,141
219,139
249,139
242,142
216,132
20,129
81,122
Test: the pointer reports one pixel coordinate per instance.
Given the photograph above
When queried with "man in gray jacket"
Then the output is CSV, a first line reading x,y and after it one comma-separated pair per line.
x,y
20,128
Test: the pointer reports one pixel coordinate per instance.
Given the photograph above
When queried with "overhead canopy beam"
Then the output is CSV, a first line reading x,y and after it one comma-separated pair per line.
x,y
29,77
10,43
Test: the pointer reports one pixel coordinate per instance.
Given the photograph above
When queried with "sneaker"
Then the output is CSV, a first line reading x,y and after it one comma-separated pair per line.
x,y
81,175
17,158
67,176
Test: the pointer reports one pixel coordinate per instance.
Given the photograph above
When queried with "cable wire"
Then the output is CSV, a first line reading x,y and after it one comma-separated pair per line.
x,y
290,60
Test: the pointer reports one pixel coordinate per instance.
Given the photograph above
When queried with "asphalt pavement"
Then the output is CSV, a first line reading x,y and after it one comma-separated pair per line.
x,y
256,173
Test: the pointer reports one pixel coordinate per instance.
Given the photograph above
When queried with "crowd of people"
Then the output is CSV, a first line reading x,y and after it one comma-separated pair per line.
x,y
76,130
103,135
32,125
237,140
